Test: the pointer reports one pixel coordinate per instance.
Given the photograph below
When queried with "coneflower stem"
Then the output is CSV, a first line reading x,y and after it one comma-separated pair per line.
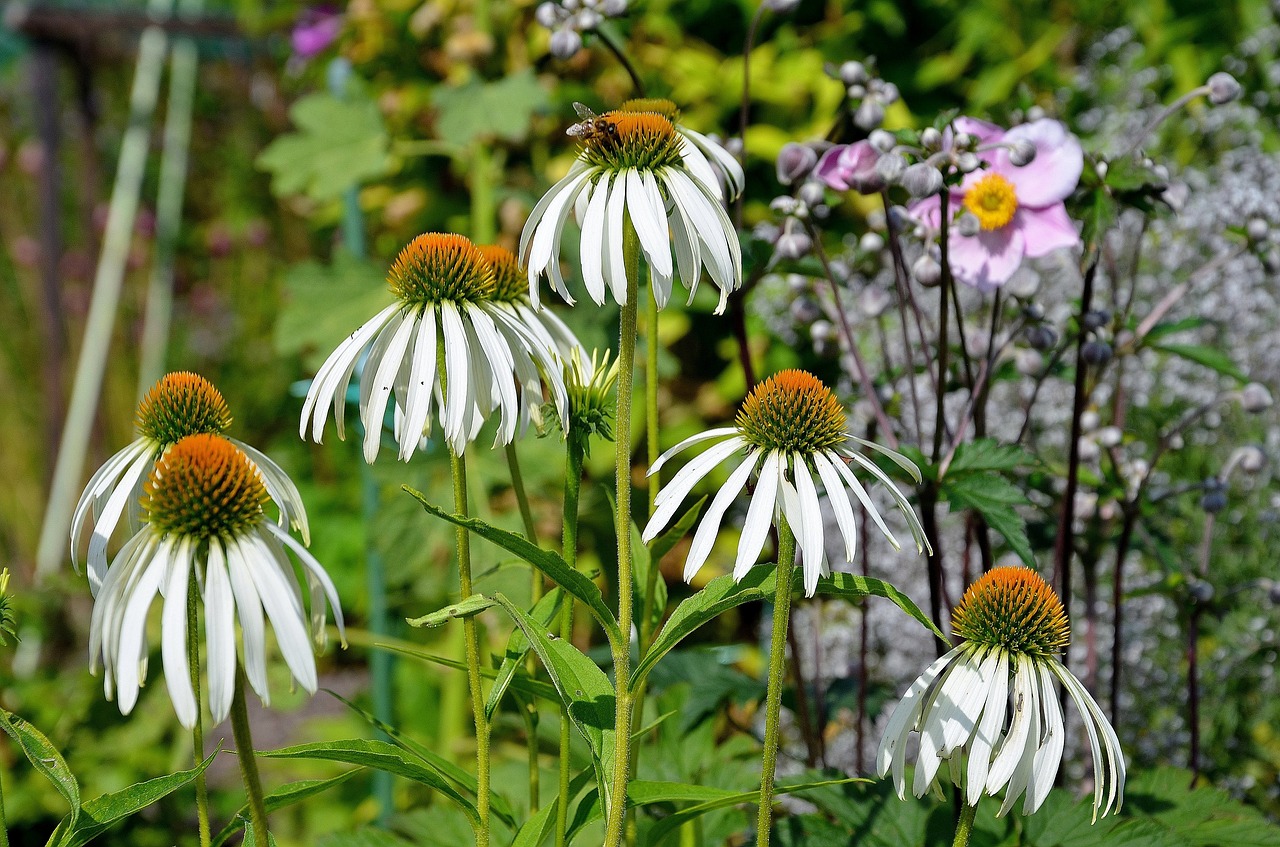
x,y
248,764
964,826
4,826
617,800
651,442
572,485
197,731
777,675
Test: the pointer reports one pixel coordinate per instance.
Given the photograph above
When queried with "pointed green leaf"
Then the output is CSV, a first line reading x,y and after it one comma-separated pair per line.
x,y
473,605
532,687
285,795
851,586
584,689
378,755
479,110
1211,357
546,561
987,454
45,758
538,828
719,595
993,497
545,611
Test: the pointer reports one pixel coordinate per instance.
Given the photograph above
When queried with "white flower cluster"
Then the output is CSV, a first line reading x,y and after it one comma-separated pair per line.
x,y
568,19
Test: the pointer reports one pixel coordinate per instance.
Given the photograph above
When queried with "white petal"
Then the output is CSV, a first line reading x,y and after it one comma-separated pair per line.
x,y
422,378
173,637
709,528
220,632
389,365
865,500
840,504
1026,760
696,163
813,544
502,367
989,728
592,248
280,489
457,366
285,611
252,628
124,491
329,387
891,754
1015,741
546,239
719,432
644,207
1049,755
102,482
133,625
321,576
755,529
614,227
670,497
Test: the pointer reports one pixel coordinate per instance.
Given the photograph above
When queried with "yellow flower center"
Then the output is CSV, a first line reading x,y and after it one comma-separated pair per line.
x,y
992,201
436,267
619,141
204,487
657,105
511,283
792,411
1013,608
182,404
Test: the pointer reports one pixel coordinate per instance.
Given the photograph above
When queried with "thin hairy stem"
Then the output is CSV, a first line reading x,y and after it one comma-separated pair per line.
x,y
777,672
197,731
964,826
248,764
572,486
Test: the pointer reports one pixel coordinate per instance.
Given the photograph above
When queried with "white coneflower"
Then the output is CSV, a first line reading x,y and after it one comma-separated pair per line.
x,y
791,427
713,164
180,404
202,505
1014,628
444,343
633,166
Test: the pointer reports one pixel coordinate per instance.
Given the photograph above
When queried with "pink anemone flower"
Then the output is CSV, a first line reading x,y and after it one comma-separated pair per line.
x,y
1020,210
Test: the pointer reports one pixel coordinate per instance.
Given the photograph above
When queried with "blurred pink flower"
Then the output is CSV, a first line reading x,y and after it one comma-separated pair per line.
x,y
1019,209
316,29
850,166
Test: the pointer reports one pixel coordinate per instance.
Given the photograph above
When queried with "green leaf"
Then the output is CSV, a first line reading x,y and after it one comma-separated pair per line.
x,y
719,595
479,111
672,822
285,795
339,143
324,303
101,813
584,689
378,755
1211,357
537,828
532,687
1167,328
46,759
987,454
473,605
545,611
546,561
993,497
852,587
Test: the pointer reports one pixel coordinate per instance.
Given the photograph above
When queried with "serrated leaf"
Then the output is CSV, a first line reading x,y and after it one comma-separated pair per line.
x,y
987,454
546,561
545,611
285,795
853,587
1211,357
478,111
993,497
473,605
584,689
378,755
323,304
339,143
101,813
45,758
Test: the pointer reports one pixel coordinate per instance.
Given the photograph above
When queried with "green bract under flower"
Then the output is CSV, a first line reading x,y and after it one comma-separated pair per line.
x,y
510,281
204,487
1013,608
619,141
182,404
792,411
437,267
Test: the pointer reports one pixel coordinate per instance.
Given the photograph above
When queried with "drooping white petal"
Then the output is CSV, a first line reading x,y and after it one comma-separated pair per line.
x,y
1049,755
252,626
456,369
755,529
133,625
592,248
614,231
892,752
389,364
671,496
317,570
729,167
709,527
707,435
1026,760
283,609
813,540
220,632
695,161
100,484
989,728
543,251
173,640
1015,741
1108,758
840,504
644,207
502,367
861,493
422,379
329,387
950,717
106,524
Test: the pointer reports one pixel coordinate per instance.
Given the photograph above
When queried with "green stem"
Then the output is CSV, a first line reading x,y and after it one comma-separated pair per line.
x,y
777,675
651,433
197,731
572,485
458,468
4,827
964,826
617,799
248,764
535,594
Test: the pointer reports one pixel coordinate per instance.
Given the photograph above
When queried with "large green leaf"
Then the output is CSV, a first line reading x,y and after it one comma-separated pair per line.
x,y
478,111
101,813
853,587
46,759
285,795
545,611
719,595
987,454
993,497
340,142
546,561
537,828
583,687
323,304
378,755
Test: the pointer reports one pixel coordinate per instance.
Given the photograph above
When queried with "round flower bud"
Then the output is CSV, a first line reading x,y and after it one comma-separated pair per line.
x,y
1101,170
1096,353
922,180
1022,152
1041,337
1024,283
1199,590
1223,88
811,193
882,140
853,73
927,271
1214,499
822,331
871,242
891,167
967,163
1089,420
548,14
870,114
587,19
1257,229
889,93
968,224
795,161
765,231
785,204
1109,436
1096,319
961,141
798,283
930,139
1255,398
793,244
856,92
565,43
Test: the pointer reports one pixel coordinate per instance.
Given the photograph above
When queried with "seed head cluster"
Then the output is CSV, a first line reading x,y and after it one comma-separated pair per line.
x,y
510,282
204,487
437,267
182,404
1013,608
792,411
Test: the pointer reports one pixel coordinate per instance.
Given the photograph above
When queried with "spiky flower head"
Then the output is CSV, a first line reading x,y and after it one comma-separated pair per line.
x,y
792,411
182,404
1014,609
510,280
204,487
656,105
619,141
437,267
